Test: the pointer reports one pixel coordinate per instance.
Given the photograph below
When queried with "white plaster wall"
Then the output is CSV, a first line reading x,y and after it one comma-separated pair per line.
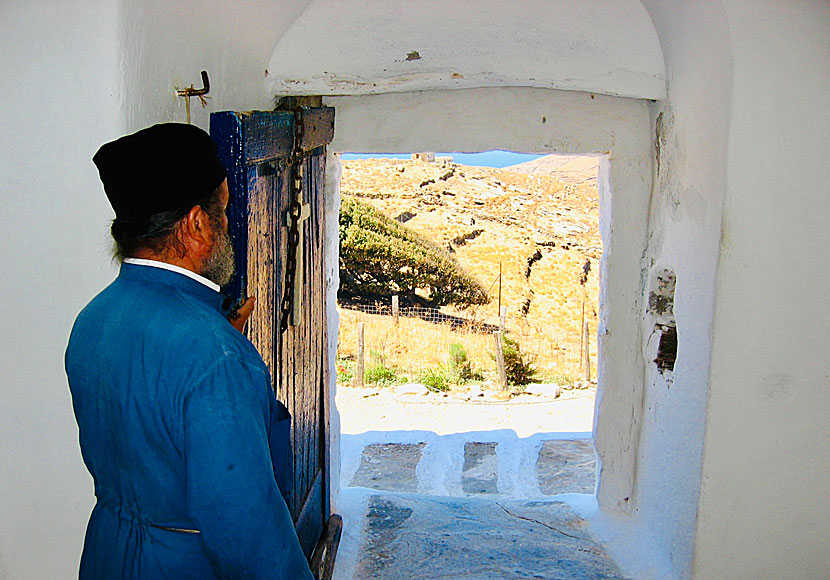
x,y
61,100
353,47
690,132
166,44
512,118
765,507
332,257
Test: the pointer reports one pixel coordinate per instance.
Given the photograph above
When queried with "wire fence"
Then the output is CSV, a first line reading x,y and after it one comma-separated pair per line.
x,y
414,339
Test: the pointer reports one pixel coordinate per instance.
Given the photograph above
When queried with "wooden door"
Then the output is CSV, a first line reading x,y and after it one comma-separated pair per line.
x,y
255,148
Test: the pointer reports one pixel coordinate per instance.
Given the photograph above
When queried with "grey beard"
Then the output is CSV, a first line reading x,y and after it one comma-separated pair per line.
x,y
219,267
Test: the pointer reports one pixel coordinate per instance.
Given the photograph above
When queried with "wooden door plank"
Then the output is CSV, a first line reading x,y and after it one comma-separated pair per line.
x,y
323,384
226,131
270,134
308,523
267,135
262,236
319,307
277,275
318,128
285,343
310,353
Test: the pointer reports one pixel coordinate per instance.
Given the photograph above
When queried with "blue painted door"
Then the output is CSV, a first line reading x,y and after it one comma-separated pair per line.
x,y
255,148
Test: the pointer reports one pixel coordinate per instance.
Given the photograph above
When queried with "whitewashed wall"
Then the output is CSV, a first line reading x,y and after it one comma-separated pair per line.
x,y
60,95
164,46
690,130
334,170
765,507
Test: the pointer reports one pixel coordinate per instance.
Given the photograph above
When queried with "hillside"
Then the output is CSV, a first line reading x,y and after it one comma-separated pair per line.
x,y
542,229
572,169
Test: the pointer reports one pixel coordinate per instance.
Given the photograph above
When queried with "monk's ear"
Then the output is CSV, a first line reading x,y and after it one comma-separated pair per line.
x,y
196,228
200,224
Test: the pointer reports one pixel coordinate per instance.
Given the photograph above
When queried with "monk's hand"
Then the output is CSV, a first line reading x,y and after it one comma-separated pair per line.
x,y
242,314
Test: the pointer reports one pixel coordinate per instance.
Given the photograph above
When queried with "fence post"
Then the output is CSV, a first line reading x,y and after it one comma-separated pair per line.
x,y
395,309
502,318
500,360
358,373
586,355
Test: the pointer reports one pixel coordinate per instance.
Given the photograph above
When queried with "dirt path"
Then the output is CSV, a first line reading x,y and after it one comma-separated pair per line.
x,y
363,410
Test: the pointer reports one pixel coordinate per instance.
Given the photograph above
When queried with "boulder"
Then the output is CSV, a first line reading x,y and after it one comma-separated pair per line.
x,y
544,390
412,389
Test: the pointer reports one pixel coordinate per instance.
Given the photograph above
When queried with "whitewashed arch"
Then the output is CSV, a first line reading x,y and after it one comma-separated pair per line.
x,y
355,47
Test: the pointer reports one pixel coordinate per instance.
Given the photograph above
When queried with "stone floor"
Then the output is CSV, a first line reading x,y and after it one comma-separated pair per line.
x,y
468,507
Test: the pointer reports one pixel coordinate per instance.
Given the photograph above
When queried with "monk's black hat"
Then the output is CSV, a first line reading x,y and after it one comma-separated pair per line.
x,y
165,167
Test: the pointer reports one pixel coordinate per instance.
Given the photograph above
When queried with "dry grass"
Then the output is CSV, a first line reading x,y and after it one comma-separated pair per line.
x,y
414,345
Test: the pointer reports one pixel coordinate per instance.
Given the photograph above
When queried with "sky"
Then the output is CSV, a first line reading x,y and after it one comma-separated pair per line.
x,y
483,159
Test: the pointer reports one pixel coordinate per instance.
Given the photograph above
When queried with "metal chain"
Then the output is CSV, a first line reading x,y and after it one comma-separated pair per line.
x,y
295,193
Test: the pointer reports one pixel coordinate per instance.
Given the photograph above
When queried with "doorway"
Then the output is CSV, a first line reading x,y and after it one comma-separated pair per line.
x,y
496,447
616,130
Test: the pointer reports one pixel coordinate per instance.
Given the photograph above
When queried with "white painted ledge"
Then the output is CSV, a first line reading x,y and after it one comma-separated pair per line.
x,y
353,47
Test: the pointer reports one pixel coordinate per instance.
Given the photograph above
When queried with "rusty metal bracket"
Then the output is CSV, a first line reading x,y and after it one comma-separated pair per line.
x,y
192,91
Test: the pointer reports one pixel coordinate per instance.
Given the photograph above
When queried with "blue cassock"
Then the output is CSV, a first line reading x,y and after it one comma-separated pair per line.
x,y
179,428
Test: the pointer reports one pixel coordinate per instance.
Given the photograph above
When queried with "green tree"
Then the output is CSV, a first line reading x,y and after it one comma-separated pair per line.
x,y
380,257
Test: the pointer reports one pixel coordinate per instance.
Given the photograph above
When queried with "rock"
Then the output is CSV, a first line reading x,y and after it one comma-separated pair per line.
x,y
544,390
566,466
447,174
405,217
389,466
412,389
470,537
464,238
480,474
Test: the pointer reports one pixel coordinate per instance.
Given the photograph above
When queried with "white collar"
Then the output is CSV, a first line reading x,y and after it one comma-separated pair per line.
x,y
173,268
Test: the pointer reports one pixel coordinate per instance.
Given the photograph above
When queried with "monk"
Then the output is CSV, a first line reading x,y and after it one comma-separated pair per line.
x,y
187,445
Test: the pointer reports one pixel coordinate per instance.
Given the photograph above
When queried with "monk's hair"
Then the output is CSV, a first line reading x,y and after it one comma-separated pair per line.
x,y
160,232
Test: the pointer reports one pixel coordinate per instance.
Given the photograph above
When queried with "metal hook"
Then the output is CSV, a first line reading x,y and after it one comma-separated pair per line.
x,y
192,91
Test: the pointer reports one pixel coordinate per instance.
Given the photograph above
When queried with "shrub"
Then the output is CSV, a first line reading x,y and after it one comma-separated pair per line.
x,y
460,367
378,373
380,257
518,366
560,379
455,372
436,379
